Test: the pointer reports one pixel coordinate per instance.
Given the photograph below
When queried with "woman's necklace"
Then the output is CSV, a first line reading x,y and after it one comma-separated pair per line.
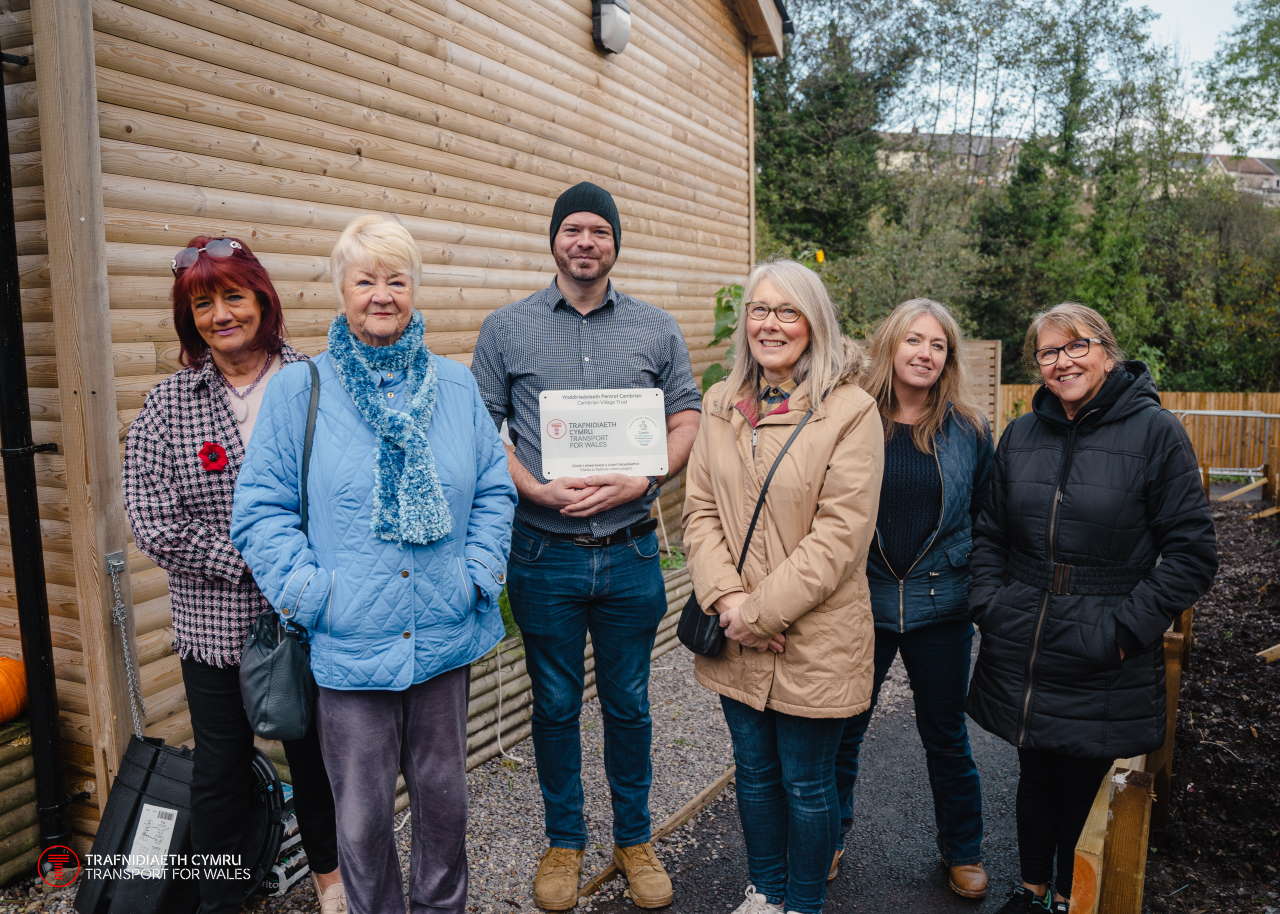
x,y
241,410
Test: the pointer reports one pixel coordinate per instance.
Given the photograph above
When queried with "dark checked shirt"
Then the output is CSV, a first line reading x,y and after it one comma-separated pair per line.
x,y
542,343
181,513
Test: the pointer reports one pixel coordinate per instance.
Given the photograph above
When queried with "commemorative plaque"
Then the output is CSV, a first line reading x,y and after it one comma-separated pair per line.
x,y
603,431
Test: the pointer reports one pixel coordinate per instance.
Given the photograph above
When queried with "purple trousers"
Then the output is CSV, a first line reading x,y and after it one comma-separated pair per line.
x,y
368,737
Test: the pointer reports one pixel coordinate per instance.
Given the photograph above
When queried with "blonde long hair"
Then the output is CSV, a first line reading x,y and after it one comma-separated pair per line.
x,y
949,391
830,357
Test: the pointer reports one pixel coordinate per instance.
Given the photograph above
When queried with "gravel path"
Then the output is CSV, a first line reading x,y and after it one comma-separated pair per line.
x,y
690,750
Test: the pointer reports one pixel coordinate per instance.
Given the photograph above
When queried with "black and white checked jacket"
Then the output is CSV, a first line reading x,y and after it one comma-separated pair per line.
x,y
181,513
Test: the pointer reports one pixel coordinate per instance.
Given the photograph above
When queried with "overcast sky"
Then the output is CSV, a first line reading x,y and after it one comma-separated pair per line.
x,y
1193,26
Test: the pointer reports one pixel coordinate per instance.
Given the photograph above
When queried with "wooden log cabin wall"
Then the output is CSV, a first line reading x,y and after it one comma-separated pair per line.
x,y
141,123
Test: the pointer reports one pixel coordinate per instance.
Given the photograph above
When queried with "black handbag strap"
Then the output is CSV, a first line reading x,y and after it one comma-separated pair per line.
x,y
755,516
309,438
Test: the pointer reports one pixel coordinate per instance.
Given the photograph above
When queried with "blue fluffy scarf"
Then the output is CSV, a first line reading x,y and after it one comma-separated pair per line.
x,y
408,504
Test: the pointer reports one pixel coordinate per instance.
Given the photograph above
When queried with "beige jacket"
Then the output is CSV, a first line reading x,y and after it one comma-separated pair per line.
x,y
806,568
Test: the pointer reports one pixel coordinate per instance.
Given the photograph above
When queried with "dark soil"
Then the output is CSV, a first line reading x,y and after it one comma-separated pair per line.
x,y
1221,851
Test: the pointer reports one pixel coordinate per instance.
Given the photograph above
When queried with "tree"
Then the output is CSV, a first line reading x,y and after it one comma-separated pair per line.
x,y
817,110
1243,79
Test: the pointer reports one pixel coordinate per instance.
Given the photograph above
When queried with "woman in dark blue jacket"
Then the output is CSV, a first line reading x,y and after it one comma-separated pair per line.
x,y
938,458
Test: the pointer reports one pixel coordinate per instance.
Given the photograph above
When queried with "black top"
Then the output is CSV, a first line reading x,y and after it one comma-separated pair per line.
x,y
910,500
1096,534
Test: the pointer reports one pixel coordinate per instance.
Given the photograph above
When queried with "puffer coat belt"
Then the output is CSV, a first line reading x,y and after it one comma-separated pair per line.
x,y
1060,578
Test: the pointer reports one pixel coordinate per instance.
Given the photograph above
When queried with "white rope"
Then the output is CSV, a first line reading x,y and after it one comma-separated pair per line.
x,y
501,749
662,524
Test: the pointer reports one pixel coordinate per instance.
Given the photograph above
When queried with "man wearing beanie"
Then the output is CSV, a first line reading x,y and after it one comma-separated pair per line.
x,y
584,553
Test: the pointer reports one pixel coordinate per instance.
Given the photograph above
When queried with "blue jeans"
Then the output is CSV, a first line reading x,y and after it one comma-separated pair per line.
x,y
937,661
786,800
559,592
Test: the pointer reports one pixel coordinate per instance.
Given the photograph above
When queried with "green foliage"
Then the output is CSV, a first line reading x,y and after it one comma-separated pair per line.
x,y
508,621
1107,203
728,308
1243,79
672,560
817,109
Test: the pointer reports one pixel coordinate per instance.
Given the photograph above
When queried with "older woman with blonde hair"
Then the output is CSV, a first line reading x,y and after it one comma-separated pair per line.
x,y
1096,535
937,467
796,612
397,573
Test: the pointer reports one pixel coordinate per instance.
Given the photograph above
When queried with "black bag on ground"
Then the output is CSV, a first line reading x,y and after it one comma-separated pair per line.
x,y
701,632
276,685
141,861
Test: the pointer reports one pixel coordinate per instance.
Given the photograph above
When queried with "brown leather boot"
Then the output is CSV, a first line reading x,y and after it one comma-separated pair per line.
x,y
555,885
647,882
969,880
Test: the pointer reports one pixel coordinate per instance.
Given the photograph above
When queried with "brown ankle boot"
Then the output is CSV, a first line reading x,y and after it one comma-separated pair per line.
x,y
555,885
969,880
647,882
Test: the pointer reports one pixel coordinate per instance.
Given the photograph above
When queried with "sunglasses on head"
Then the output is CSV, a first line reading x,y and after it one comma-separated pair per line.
x,y
218,247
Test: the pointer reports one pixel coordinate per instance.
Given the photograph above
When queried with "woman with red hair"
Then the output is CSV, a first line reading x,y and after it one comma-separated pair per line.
x,y
182,456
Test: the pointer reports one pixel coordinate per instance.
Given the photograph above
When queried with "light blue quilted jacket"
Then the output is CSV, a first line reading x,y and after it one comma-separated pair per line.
x,y
380,615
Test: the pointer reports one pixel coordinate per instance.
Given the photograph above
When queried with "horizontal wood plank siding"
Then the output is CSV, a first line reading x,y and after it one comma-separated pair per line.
x,y
278,121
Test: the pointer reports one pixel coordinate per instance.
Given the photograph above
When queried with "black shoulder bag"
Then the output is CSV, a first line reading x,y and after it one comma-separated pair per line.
x,y
276,684
701,632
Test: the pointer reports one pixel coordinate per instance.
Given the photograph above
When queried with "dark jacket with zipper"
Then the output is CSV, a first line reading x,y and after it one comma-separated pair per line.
x,y
935,587
1096,535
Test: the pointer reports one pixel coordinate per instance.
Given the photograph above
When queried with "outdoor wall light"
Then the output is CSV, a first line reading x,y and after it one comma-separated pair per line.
x,y
611,24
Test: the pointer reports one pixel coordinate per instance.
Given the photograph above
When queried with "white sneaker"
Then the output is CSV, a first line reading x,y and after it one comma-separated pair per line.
x,y
756,904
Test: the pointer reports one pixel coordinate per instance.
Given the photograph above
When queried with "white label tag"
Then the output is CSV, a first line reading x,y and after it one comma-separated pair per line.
x,y
151,841
603,431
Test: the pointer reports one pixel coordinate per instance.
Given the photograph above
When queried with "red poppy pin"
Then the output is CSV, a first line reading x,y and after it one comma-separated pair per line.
x,y
213,457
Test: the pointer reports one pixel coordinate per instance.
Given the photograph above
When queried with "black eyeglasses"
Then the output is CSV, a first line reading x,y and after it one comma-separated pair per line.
x,y
1076,349
785,313
218,247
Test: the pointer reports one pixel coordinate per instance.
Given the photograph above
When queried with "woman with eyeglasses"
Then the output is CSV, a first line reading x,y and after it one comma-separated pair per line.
x,y
182,456
796,612
1095,536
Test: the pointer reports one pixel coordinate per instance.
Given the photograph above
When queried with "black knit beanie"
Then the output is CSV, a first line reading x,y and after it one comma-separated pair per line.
x,y
587,198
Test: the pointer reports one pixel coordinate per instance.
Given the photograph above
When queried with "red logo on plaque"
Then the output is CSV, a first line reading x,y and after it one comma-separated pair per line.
x,y
59,866
557,428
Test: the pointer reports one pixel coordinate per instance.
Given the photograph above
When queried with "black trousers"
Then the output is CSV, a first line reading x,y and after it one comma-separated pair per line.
x,y
1054,795
222,782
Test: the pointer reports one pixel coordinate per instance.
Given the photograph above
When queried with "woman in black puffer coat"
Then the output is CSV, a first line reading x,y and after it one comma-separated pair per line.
x,y
1097,534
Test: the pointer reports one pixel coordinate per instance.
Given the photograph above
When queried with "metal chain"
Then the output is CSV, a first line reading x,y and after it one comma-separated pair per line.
x,y
115,567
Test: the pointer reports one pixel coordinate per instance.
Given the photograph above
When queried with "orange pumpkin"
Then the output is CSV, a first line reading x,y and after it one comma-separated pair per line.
x,y
13,688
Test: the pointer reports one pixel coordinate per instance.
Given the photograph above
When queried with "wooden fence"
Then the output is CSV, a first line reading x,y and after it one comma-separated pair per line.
x,y
1221,442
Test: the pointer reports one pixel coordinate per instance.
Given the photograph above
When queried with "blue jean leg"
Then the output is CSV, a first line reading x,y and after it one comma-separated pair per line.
x,y
623,627
855,730
937,659
786,801
558,593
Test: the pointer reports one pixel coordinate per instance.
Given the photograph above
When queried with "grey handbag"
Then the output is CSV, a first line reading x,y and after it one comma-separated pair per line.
x,y
276,685
701,632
